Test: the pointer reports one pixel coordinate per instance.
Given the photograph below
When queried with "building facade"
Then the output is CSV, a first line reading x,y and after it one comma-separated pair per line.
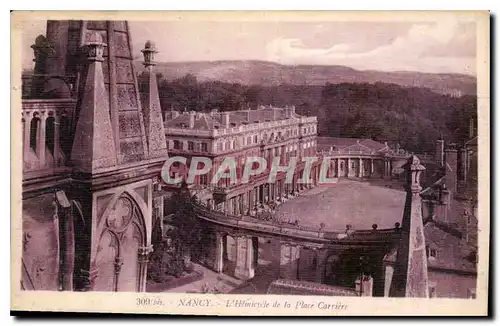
x,y
91,154
270,133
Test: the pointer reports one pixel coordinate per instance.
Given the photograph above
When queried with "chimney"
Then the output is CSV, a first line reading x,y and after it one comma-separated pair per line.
x,y
292,110
451,169
225,119
471,128
442,205
440,151
192,116
463,164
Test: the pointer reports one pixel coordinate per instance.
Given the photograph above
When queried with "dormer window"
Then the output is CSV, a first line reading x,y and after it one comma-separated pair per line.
x,y
431,252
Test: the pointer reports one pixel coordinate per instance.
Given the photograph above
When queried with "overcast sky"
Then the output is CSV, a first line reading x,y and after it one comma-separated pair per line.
x,y
447,46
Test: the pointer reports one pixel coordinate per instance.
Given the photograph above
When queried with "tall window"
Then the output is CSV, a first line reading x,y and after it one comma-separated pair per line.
x,y
255,140
204,147
190,146
177,144
204,179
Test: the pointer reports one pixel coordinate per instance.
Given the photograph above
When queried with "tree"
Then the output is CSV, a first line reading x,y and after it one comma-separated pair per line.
x,y
171,257
186,231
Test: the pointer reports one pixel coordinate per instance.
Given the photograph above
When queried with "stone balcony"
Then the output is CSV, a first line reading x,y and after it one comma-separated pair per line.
x,y
46,126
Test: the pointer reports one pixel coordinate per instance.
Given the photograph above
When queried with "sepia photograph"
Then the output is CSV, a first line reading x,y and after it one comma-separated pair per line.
x,y
218,163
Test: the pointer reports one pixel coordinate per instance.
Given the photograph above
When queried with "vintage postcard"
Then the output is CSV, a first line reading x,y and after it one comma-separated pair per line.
x,y
251,163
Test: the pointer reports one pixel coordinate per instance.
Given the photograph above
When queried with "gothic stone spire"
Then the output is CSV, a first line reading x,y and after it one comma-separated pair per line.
x,y
94,145
153,121
410,270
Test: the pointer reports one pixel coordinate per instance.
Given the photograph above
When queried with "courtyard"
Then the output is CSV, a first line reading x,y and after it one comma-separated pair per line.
x,y
358,203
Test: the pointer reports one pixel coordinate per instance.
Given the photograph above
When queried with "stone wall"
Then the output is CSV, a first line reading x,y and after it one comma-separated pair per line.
x,y
40,257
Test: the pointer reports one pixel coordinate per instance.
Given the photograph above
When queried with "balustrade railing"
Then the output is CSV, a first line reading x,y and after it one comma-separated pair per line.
x,y
282,228
46,128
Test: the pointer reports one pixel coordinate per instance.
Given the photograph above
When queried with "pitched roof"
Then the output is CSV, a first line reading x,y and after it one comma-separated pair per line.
x,y
351,144
201,121
339,142
453,252
236,118
295,287
472,142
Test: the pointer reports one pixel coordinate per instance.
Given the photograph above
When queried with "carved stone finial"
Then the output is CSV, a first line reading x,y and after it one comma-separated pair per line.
x,y
414,171
42,48
149,52
95,47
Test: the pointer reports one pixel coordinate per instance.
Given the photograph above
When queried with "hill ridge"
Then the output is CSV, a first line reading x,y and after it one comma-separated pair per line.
x,y
267,73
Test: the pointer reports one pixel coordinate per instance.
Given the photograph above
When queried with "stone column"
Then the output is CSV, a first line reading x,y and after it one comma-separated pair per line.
x,y
244,204
219,253
143,259
349,167
27,136
234,204
244,258
361,167
364,286
56,140
372,171
320,267
250,199
40,146
289,261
